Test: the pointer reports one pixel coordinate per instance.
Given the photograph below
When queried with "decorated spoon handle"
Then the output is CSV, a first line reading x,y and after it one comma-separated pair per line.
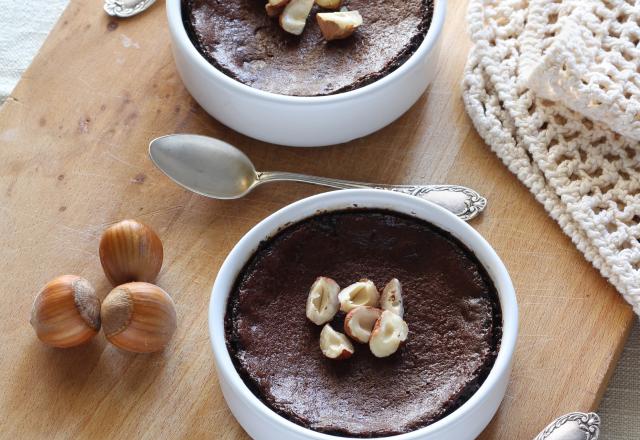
x,y
462,201
126,8
570,426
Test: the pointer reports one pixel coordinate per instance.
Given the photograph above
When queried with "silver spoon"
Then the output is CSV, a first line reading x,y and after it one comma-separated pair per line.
x,y
126,8
572,426
213,168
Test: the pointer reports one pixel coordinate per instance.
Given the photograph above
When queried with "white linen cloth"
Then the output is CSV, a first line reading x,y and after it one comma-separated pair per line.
x,y
24,27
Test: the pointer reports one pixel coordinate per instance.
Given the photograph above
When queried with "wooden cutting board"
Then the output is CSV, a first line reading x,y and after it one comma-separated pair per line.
x,y
73,159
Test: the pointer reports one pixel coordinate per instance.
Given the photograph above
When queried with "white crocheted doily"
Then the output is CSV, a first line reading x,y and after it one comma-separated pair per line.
x,y
591,66
586,176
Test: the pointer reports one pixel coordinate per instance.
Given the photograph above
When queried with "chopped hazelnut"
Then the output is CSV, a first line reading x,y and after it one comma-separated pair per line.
x,y
294,16
338,25
329,4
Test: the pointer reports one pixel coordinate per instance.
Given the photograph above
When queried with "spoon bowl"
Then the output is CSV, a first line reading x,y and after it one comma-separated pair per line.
x,y
204,165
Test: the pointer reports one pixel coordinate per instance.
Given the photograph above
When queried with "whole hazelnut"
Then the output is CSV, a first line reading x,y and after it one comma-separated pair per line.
x,y
66,312
130,251
138,317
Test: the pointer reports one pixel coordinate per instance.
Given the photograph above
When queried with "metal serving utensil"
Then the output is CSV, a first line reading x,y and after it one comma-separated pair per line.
x,y
213,168
572,426
126,8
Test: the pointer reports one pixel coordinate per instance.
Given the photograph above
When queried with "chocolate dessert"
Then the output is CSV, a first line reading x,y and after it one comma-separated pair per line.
x,y
242,41
450,305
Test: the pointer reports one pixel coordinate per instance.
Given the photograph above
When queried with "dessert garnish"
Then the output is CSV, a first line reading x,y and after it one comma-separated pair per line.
x,y
335,345
360,321
329,4
388,333
294,16
391,298
333,25
322,303
275,7
371,318
338,25
362,293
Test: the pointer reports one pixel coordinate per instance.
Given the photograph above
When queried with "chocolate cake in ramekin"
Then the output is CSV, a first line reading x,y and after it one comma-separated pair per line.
x,y
445,381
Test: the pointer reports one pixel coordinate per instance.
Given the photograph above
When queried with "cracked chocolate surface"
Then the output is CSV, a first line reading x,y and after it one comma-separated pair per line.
x,y
239,39
451,308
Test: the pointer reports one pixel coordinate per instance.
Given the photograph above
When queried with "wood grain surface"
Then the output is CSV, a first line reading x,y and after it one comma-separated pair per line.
x,y
73,160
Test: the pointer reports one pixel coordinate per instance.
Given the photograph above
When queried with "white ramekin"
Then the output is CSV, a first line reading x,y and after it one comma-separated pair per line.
x,y
261,422
304,121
